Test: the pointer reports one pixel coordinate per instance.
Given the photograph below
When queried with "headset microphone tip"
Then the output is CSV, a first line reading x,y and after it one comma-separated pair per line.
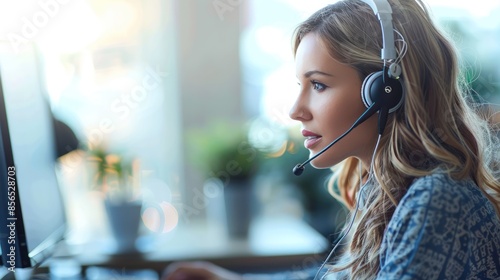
x,y
298,169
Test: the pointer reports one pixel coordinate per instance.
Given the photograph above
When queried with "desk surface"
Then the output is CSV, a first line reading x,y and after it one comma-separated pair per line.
x,y
273,243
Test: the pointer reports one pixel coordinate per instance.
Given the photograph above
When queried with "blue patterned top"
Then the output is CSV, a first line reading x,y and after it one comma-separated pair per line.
x,y
442,229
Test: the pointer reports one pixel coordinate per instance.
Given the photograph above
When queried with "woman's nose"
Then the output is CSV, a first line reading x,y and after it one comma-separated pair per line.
x,y
299,110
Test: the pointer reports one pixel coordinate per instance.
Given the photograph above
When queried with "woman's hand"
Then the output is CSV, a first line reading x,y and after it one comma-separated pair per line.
x,y
198,271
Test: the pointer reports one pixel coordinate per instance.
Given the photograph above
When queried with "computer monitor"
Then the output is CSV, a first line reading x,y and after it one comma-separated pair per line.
x,y
32,219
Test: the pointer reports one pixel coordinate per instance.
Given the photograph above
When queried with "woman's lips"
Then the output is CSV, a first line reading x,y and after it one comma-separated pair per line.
x,y
311,138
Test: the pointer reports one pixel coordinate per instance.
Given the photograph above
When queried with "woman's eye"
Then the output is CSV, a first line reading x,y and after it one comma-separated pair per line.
x,y
318,86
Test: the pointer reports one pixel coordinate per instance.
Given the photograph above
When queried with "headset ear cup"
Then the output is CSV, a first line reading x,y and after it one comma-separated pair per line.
x,y
388,95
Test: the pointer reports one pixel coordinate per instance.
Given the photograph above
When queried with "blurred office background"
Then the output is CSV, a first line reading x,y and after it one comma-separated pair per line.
x,y
187,90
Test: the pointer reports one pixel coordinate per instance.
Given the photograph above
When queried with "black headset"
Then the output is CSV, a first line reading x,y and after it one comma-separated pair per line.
x,y
384,89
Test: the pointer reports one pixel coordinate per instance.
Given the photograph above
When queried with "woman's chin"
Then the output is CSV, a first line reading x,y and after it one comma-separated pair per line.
x,y
323,162
318,164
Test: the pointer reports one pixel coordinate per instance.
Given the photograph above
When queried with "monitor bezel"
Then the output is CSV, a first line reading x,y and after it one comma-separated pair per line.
x,y
23,257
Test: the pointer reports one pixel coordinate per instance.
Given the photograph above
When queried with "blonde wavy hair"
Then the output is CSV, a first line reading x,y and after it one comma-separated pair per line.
x,y
438,127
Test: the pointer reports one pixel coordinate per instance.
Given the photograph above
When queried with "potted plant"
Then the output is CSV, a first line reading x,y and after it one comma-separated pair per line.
x,y
222,150
115,176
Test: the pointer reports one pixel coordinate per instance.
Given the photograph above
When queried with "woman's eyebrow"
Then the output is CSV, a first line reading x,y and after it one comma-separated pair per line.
x,y
312,72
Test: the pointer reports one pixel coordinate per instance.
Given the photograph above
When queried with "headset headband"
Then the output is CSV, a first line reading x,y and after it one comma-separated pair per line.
x,y
383,10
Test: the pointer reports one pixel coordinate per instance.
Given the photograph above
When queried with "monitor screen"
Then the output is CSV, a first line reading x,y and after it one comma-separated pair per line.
x,y
28,161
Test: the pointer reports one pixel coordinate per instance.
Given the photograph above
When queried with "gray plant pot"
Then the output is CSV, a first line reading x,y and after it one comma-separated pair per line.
x,y
124,219
239,201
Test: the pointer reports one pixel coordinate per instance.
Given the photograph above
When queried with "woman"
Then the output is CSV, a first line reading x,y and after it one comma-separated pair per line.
x,y
425,195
